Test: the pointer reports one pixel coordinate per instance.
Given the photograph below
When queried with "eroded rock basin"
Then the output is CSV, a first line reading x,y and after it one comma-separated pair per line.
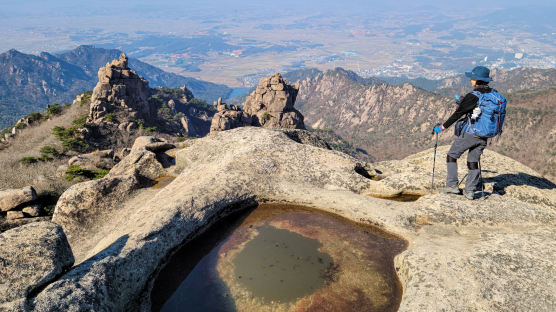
x,y
281,257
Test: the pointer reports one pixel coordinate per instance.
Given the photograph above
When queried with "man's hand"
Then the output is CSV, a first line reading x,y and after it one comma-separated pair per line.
x,y
437,129
458,98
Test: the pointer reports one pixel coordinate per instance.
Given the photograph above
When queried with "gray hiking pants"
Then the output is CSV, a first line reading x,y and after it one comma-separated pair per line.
x,y
475,145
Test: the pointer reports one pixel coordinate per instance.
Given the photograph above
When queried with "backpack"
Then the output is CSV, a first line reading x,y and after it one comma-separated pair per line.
x,y
493,111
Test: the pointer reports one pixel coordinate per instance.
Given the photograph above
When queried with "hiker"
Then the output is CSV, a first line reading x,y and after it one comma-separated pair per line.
x,y
479,116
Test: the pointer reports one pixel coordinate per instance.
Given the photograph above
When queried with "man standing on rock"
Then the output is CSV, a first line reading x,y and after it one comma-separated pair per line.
x,y
479,116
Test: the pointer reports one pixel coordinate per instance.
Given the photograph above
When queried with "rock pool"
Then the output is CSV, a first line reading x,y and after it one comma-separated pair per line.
x,y
281,257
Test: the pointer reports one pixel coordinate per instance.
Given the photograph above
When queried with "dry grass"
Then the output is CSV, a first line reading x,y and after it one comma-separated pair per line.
x,y
41,175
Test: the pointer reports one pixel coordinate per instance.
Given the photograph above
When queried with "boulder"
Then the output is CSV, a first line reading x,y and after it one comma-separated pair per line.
x,y
226,119
95,160
6,224
13,215
31,256
85,206
140,161
32,211
143,141
11,198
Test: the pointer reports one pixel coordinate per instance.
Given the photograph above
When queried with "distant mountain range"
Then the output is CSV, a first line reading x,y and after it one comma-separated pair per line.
x,y
389,122
504,80
394,121
28,83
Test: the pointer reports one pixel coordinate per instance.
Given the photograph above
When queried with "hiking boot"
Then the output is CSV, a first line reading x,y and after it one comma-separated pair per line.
x,y
469,195
449,190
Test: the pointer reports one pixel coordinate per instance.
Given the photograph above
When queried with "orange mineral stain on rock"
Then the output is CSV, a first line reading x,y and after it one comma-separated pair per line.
x,y
162,182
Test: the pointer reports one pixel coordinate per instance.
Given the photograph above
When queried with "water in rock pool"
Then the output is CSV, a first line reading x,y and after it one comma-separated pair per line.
x,y
282,258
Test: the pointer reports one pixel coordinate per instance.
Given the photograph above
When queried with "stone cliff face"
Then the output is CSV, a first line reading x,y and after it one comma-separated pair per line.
x,y
271,105
389,122
120,88
464,252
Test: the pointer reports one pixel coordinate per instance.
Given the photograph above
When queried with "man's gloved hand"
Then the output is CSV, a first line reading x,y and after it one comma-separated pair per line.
x,y
458,98
437,129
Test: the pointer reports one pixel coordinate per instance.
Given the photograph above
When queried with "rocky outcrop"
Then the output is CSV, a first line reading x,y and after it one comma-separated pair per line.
x,y
12,198
31,256
271,105
120,88
484,255
123,106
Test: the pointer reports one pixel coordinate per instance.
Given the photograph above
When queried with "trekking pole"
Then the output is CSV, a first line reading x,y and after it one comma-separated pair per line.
x,y
465,176
482,183
434,162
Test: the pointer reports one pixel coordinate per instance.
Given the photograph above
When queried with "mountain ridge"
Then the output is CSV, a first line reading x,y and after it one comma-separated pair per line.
x,y
28,83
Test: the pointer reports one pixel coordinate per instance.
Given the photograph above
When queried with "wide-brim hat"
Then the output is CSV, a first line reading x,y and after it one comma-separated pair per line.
x,y
479,73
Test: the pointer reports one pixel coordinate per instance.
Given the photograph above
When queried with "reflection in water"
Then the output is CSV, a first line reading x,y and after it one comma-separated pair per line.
x,y
201,290
280,265
282,258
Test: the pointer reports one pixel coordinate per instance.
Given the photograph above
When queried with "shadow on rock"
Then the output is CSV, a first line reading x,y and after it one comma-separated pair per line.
x,y
502,181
